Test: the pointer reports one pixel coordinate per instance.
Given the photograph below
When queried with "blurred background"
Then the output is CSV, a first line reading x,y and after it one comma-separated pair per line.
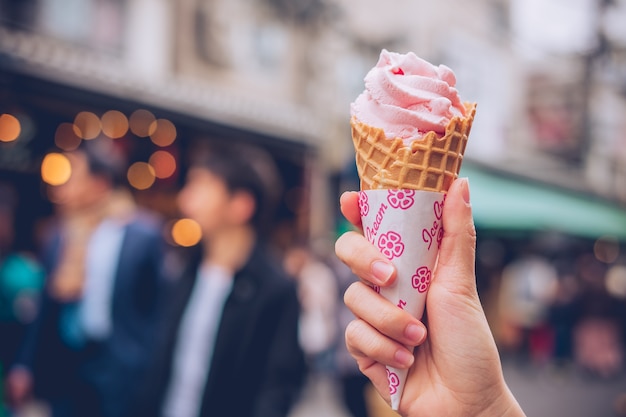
x,y
546,159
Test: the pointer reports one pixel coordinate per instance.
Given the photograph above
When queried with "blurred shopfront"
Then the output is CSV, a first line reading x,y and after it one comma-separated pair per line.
x,y
52,117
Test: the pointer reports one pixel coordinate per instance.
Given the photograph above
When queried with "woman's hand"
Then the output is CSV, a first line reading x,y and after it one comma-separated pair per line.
x,y
456,370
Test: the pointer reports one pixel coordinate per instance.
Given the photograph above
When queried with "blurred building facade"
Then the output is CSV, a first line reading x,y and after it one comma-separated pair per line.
x,y
551,104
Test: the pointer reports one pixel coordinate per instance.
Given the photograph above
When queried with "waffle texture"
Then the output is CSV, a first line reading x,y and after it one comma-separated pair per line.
x,y
430,164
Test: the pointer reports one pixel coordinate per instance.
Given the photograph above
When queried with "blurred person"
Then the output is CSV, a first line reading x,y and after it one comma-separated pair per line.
x,y
599,322
599,347
355,387
562,312
354,384
86,349
528,290
317,292
21,279
230,337
456,370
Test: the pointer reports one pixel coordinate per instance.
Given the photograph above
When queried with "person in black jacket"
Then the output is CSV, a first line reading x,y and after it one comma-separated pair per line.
x,y
97,314
230,345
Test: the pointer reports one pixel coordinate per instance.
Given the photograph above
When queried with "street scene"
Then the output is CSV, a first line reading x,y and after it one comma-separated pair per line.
x,y
181,233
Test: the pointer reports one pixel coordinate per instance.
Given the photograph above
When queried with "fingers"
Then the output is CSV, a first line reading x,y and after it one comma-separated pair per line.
x,y
349,204
384,328
364,259
376,373
458,247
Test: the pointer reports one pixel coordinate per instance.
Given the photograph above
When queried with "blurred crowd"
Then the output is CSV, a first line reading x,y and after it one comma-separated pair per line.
x,y
560,307
108,319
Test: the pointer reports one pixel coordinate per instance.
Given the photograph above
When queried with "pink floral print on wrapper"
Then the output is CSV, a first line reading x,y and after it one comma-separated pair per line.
x,y
390,244
393,224
401,199
364,207
394,381
421,278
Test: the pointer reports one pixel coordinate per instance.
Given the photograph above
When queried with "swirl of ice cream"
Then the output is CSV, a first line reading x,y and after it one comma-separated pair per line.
x,y
407,96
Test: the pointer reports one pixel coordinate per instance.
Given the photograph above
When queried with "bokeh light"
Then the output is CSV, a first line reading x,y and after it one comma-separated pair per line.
x,y
55,169
114,124
616,281
66,138
162,132
186,232
10,128
87,125
164,164
606,249
141,175
140,122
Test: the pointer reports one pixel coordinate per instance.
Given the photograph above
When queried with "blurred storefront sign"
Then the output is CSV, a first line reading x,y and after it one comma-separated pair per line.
x,y
48,104
555,106
507,203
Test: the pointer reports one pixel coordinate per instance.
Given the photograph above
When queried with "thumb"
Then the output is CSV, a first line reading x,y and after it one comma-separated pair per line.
x,y
455,268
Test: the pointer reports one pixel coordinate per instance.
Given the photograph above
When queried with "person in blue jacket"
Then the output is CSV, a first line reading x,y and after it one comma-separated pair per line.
x,y
88,345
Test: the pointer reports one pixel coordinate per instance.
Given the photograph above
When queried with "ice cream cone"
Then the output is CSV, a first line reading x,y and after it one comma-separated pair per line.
x,y
403,192
406,173
430,164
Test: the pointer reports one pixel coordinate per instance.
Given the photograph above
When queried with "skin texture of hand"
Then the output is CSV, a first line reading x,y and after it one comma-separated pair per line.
x,y
456,370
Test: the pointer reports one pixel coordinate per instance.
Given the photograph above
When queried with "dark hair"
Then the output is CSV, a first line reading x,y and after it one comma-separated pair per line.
x,y
244,168
104,160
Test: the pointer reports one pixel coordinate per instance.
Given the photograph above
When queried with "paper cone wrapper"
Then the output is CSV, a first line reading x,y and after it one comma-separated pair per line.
x,y
405,225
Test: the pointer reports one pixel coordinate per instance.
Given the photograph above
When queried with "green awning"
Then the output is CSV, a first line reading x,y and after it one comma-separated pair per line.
x,y
505,202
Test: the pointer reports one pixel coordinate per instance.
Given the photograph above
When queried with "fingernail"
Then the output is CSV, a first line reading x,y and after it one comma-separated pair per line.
x,y
414,333
466,190
403,358
382,271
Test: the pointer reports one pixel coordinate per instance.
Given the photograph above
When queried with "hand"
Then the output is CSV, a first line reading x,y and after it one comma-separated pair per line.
x,y
456,371
19,383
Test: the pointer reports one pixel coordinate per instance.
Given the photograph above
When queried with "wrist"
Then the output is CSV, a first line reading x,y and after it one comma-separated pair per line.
x,y
505,405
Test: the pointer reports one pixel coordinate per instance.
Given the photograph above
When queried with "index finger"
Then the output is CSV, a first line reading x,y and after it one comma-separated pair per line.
x,y
349,203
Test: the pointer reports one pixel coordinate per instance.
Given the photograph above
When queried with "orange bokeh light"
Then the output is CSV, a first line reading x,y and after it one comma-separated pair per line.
x,y
163,132
55,169
10,128
87,125
65,137
186,232
140,175
114,124
140,122
164,164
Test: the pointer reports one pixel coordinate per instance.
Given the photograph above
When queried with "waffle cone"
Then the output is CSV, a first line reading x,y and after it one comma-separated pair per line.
x,y
430,164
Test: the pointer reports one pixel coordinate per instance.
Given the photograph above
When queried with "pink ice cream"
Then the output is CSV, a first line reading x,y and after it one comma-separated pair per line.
x,y
407,96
